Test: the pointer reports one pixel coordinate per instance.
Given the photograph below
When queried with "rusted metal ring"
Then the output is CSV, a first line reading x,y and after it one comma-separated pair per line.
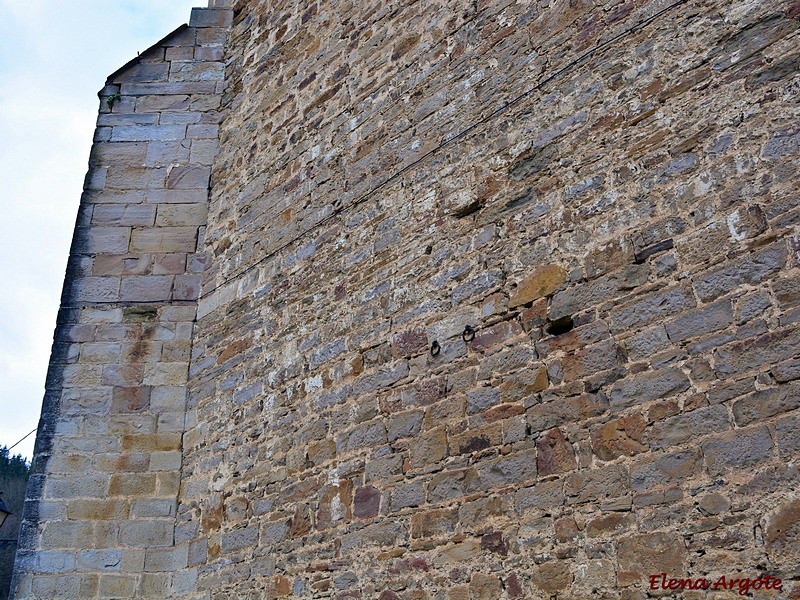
x,y
468,334
435,348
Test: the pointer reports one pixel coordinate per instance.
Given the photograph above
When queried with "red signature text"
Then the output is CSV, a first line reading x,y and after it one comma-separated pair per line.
x,y
741,584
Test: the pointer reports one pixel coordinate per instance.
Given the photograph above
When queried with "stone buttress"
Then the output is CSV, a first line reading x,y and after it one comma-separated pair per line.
x,y
100,514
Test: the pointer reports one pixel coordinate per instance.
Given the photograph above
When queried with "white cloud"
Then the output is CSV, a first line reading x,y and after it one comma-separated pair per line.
x,y
55,57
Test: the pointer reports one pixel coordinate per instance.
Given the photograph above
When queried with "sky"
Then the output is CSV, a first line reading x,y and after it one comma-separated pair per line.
x,y
55,56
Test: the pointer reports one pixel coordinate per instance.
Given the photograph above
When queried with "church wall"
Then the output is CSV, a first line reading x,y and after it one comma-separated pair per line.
x,y
606,193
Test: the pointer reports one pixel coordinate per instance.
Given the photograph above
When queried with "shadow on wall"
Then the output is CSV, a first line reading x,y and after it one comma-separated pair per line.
x,y
13,480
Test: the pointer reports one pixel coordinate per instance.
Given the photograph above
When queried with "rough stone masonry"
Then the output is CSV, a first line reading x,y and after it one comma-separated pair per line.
x,y
433,300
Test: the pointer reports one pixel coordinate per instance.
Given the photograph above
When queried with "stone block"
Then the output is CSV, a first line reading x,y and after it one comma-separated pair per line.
x,y
196,71
146,534
647,386
202,131
481,399
211,17
688,426
787,431
171,88
147,288
117,586
693,323
54,562
147,133
608,287
657,470
63,586
165,461
164,239
127,215
649,308
782,534
749,269
107,154
203,151
94,240
84,486
179,102
125,177
166,559
597,485
544,281
404,424
619,437
756,354
179,53
104,561
737,450
165,398
554,453
433,523
408,494
86,509
649,553
559,411
240,539
126,119
190,177
181,215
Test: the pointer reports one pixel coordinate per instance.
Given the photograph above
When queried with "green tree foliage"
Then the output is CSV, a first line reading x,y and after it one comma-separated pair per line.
x,y
13,467
14,471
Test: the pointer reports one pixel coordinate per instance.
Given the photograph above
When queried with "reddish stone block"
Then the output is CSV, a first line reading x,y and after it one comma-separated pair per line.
x,y
367,502
554,453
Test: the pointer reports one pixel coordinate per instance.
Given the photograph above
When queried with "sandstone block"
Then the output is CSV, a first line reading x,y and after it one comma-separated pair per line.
x,y
146,133
554,453
619,437
146,534
649,308
782,534
147,288
211,17
646,554
189,177
598,484
181,215
107,561
552,576
164,239
544,281
94,240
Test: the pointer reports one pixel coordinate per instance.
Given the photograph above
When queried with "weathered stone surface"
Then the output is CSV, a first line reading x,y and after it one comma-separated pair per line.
x,y
739,449
544,281
619,437
782,534
648,386
554,453
342,184
646,554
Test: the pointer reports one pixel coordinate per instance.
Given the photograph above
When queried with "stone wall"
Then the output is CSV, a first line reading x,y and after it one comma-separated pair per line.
x,y
100,509
604,192
607,193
